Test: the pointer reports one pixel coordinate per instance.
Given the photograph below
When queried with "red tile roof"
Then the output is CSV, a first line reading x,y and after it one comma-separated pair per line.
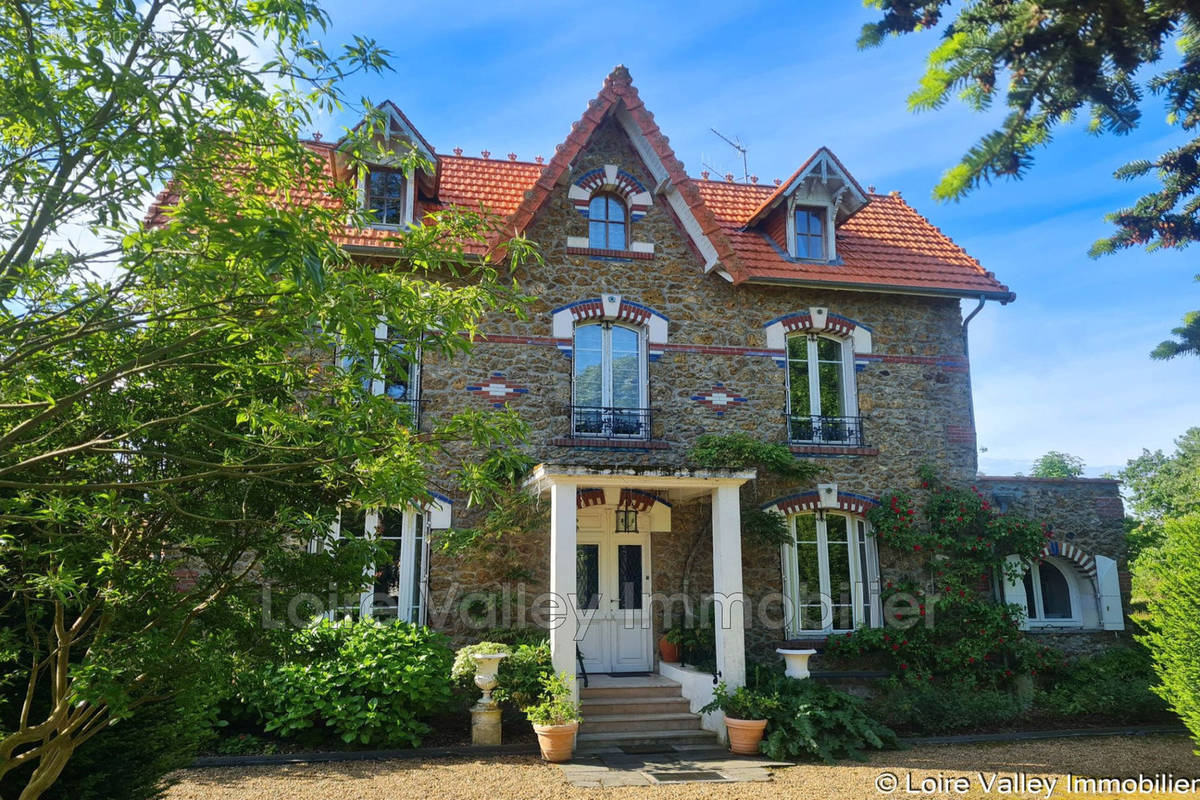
x,y
885,245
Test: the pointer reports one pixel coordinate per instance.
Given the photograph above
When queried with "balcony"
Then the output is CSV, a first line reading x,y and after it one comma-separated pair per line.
x,y
599,422
828,431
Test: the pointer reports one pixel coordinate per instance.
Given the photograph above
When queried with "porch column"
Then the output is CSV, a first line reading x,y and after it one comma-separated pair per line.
x,y
562,578
728,601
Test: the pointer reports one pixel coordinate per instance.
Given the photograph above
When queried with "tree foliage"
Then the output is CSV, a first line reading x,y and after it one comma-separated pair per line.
x,y
1049,63
1056,464
171,420
1175,617
1161,487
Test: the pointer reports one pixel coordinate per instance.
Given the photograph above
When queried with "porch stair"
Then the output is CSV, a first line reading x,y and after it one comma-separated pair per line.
x,y
638,711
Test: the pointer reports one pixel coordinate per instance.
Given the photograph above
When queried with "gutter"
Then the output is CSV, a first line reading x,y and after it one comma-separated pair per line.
x,y
1004,298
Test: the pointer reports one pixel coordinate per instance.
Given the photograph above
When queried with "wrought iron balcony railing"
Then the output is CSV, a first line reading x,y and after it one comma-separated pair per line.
x,y
610,423
845,431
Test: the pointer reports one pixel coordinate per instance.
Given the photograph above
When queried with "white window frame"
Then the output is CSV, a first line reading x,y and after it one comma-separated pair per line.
x,y
414,538
849,387
1035,617
409,197
378,385
865,588
829,234
606,372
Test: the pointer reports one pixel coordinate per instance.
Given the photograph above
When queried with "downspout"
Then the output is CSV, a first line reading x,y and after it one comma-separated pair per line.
x,y
967,355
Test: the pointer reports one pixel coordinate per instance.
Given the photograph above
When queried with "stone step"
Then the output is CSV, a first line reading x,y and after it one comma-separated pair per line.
x,y
592,692
590,741
635,705
630,723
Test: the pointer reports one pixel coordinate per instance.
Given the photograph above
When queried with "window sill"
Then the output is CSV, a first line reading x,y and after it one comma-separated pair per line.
x,y
832,450
610,443
598,252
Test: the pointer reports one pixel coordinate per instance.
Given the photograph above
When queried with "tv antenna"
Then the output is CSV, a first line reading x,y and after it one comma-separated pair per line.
x,y
736,144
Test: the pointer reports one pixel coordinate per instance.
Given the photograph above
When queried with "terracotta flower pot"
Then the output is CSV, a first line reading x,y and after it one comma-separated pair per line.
x,y
745,734
669,652
557,741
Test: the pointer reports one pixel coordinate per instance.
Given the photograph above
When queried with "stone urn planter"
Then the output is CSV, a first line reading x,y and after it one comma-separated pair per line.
x,y
796,662
486,667
556,741
745,734
485,715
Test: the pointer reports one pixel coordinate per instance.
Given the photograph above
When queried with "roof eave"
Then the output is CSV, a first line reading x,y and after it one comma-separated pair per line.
x,y
1003,297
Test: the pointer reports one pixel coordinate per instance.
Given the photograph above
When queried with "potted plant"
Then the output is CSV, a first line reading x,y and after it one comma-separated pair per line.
x,y
556,719
746,713
668,645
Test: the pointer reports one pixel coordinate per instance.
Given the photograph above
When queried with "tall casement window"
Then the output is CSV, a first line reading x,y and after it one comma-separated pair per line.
x,y
830,574
398,585
607,222
397,377
609,383
386,195
810,233
822,405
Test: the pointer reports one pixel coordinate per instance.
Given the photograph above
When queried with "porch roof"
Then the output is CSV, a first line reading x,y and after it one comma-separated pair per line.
x,y
677,485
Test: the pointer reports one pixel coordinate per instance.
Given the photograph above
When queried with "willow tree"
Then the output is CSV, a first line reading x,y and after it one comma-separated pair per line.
x,y
170,421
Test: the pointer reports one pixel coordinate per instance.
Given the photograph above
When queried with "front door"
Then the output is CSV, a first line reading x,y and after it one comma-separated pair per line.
x,y
612,594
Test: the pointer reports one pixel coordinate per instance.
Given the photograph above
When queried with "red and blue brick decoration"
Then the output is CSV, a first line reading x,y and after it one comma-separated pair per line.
x,y
613,179
1069,552
497,389
802,502
610,307
640,500
818,320
719,398
589,497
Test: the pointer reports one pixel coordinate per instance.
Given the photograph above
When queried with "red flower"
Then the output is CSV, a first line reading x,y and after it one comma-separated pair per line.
x,y
904,666
916,547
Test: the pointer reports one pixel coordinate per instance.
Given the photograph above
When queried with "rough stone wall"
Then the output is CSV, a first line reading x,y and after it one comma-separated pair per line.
x,y
914,391
1085,512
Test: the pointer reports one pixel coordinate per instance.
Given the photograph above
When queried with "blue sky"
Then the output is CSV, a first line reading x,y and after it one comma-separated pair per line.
x,y
1066,367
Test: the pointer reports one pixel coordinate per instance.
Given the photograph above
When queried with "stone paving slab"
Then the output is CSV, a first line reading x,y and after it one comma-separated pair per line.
x,y
612,767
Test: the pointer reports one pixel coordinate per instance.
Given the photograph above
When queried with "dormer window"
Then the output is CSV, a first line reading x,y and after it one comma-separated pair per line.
x,y
607,221
386,196
810,233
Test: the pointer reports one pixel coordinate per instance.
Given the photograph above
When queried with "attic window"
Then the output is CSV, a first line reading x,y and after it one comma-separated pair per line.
x,y
387,196
810,233
606,222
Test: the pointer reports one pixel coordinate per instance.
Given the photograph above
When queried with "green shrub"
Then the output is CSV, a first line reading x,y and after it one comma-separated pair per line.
x,y
933,709
742,702
1117,682
556,706
808,719
366,682
522,675
1175,618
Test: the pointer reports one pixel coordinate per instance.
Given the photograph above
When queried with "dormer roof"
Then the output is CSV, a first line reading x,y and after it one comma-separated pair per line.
x,y
824,168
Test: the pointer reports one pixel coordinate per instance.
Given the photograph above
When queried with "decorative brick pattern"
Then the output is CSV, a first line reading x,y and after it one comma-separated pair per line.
x,y
816,319
618,181
1069,552
809,501
1110,507
612,307
498,389
599,252
589,497
960,434
719,398
639,500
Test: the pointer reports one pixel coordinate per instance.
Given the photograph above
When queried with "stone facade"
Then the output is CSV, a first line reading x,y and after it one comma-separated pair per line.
x,y
913,391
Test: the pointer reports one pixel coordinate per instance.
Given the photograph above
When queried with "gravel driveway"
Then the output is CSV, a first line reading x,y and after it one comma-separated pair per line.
x,y
528,777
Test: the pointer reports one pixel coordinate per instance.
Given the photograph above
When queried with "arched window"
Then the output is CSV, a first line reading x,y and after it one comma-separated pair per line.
x,y
609,381
821,403
830,573
607,221
1050,595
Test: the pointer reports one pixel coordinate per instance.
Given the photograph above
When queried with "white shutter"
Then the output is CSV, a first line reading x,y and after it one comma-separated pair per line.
x,y
1014,588
1108,593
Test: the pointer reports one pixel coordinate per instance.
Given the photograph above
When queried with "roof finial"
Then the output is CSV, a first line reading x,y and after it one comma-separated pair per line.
x,y
539,159
870,188
778,181
754,179
729,177
317,136
485,153
512,156
458,151
704,174
620,76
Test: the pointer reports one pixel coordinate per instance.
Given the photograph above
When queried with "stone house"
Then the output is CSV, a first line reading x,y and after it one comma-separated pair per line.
x,y
808,311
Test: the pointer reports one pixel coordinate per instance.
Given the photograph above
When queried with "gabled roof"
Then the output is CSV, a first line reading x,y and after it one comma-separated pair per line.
x,y
823,163
619,97
399,123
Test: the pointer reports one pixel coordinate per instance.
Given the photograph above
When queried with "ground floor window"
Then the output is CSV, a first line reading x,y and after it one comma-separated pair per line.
x,y
398,588
830,574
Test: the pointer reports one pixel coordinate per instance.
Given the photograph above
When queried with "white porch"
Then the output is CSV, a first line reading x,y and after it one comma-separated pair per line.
x,y
562,483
